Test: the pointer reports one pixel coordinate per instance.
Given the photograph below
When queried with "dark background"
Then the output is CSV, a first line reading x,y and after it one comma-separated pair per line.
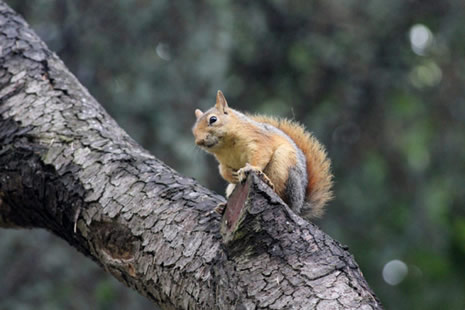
x,y
380,83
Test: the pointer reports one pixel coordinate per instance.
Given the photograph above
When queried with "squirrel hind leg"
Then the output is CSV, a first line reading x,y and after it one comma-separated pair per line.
x,y
295,190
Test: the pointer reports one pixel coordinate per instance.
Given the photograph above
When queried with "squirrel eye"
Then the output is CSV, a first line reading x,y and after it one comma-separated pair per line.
x,y
212,119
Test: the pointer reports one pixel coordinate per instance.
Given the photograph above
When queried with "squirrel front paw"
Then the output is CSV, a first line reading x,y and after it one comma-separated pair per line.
x,y
242,174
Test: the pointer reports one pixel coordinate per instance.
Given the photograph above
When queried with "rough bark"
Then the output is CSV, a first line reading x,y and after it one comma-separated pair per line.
x,y
66,166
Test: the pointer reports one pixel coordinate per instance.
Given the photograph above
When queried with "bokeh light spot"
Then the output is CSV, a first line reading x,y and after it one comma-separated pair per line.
x,y
394,272
426,75
420,38
163,51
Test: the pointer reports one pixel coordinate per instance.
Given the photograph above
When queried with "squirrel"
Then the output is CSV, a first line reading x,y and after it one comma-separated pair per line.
x,y
287,157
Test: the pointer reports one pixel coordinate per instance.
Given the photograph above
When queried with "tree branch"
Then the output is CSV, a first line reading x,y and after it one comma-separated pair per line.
x,y
66,166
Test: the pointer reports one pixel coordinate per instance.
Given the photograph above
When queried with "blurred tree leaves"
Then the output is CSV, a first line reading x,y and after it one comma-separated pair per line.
x,y
380,83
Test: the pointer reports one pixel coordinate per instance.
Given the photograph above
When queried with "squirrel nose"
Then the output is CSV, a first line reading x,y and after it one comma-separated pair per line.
x,y
200,141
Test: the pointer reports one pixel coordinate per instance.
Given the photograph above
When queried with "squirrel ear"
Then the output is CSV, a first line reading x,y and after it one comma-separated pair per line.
x,y
198,113
221,103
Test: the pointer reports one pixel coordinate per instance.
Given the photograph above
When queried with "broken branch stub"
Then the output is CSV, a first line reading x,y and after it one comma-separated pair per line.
x,y
257,223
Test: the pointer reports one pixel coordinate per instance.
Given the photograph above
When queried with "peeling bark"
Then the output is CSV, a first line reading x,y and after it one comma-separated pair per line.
x,y
66,166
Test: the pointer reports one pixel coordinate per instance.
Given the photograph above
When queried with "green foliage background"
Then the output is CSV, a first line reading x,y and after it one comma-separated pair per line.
x,y
392,117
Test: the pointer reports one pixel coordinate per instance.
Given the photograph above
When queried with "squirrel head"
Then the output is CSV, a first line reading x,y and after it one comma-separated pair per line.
x,y
211,127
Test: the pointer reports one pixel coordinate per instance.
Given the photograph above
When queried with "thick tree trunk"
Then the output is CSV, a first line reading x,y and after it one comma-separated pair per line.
x,y
66,166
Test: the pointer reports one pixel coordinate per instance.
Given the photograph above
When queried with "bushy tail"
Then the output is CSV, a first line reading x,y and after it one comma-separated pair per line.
x,y
320,179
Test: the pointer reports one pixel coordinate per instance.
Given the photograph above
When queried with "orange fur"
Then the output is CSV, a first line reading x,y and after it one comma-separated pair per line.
x,y
318,164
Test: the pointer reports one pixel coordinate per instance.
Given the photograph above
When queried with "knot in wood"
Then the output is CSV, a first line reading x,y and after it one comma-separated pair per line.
x,y
115,240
